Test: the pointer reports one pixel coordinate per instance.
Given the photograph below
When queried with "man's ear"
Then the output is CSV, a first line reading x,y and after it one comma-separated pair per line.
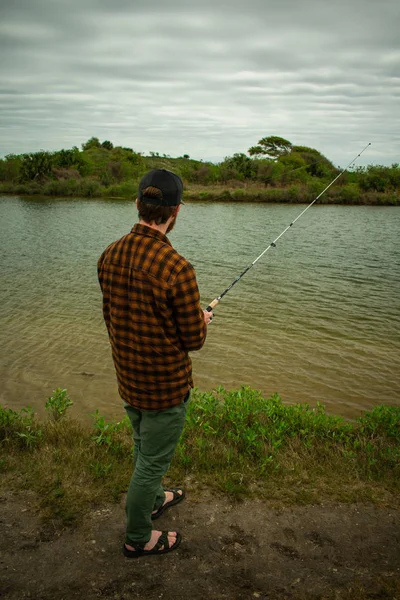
x,y
178,208
137,203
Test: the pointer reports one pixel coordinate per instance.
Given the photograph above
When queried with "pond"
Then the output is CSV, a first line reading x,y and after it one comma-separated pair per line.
x,y
317,319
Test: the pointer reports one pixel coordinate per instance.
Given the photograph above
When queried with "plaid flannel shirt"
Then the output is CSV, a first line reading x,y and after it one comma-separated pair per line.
x,y
151,307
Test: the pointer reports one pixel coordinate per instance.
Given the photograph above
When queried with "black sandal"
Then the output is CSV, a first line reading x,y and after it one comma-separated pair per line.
x,y
161,543
175,500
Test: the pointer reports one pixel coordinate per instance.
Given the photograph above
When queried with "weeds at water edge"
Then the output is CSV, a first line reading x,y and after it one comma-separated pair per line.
x,y
235,442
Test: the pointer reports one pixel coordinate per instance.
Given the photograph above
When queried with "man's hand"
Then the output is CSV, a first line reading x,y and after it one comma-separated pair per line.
x,y
207,317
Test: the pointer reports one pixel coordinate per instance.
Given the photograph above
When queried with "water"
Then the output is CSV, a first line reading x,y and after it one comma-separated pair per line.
x,y
317,319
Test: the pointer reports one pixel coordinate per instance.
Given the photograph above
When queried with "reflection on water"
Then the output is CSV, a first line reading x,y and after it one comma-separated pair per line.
x,y
316,319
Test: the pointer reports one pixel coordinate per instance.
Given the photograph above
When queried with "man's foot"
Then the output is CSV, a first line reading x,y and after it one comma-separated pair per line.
x,y
172,496
160,542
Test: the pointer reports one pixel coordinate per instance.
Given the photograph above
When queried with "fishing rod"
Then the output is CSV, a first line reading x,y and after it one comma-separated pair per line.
x,y
214,303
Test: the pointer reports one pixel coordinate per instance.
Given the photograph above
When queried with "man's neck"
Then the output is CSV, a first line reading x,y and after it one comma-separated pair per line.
x,y
162,228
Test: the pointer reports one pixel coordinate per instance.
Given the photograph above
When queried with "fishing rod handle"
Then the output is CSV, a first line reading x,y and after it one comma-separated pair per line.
x,y
212,305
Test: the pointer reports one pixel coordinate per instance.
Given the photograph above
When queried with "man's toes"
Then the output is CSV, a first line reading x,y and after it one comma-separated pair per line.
x,y
155,536
168,497
171,540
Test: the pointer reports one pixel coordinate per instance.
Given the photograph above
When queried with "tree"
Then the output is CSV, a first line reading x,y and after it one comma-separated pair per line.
x,y
378,178
10,167
317,164
272,146
294,168
66,158
269,172
242,165
107,145
36,166
93,142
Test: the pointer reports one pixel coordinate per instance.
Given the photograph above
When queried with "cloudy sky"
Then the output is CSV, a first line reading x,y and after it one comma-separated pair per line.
x,y
206,78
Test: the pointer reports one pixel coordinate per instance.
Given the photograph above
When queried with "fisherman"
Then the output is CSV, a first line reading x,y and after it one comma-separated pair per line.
x,y
151,307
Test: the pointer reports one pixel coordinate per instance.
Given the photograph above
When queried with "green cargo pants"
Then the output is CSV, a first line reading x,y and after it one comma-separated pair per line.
x,y
155,436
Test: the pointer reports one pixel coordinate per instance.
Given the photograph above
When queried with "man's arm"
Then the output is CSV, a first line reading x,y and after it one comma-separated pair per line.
x,y
189,315
103,287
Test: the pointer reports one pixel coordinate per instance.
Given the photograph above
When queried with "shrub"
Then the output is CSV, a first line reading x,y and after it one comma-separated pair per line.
x,y
63,174
350,193
58,404
19,427
201,175
90,188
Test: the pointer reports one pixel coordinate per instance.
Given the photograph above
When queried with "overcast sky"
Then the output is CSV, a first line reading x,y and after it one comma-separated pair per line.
x,y
203,78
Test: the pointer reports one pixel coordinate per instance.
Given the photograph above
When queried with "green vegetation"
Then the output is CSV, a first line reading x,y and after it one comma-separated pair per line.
x,y
235,442
272,146
58,404
275,171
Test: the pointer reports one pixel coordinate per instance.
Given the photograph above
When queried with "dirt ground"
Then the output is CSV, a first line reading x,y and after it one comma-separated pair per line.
x,y
229,551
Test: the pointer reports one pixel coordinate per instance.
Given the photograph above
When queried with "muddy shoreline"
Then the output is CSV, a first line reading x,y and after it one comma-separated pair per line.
x,y
229,551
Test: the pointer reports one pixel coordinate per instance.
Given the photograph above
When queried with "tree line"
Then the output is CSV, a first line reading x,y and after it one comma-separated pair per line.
x,y
102,169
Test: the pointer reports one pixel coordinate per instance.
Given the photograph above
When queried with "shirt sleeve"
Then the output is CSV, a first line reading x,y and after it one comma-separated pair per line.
x,y
188,313
105,292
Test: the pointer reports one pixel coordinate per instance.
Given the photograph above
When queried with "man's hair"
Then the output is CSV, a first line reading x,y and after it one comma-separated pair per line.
x,y
150,213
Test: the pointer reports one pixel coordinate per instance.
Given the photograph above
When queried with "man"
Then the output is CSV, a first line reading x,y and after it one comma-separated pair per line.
x,y
151,307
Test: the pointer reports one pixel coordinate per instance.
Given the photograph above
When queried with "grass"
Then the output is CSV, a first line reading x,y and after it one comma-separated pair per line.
x,y
233,191
235,442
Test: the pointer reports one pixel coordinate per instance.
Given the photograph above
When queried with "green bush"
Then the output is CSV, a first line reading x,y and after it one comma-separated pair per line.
x,y
58,404
90,188
128,189
240,164
19,427
300,171
382,421
350,193
235,441
10,168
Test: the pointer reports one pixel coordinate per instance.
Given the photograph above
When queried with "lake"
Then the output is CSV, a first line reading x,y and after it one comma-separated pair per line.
x,y
317,319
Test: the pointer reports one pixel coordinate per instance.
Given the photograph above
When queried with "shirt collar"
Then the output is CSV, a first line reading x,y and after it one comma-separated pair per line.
x,y
140,229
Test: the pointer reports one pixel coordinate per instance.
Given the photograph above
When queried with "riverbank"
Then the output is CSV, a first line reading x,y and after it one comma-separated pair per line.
x,y
283,502
235,442
349,194
279,173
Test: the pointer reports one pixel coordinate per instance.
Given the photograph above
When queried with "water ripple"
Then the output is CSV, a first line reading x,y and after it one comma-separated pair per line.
x,y
316,319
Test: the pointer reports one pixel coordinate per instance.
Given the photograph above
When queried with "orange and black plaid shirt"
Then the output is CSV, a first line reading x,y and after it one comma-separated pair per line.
x,y
151,307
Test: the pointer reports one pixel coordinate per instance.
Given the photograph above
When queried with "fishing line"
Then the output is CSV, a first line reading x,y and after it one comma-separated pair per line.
x,y
214,303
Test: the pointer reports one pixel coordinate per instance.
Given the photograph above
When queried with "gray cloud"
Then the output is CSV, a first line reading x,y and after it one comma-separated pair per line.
x,y
207,79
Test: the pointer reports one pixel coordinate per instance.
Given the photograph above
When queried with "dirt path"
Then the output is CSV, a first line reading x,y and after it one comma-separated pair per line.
x,y
239,551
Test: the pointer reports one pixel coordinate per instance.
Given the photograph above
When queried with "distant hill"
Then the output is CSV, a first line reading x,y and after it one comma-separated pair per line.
x,y
275,171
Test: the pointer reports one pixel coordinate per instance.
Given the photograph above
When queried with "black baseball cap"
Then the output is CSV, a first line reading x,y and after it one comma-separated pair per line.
x,y
169,184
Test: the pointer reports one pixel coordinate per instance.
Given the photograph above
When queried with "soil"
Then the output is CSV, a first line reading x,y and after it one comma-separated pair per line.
x,y
228,552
